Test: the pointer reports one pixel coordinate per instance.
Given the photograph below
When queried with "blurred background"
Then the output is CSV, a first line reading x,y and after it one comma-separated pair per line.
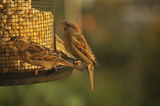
x,y
125,37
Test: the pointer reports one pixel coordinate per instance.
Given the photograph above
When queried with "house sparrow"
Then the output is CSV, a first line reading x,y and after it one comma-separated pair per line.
x,y
60,47
76,44
36,54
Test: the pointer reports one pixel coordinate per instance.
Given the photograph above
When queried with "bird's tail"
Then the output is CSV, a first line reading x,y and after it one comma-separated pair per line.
x,y
90,69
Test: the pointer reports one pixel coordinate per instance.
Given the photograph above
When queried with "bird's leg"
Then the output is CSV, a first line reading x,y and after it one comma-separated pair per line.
x,y
55,69
77,62
36,70
21,63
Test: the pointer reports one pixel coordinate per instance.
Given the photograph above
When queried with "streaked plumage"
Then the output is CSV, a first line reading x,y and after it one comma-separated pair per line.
x,y
76,44
39,55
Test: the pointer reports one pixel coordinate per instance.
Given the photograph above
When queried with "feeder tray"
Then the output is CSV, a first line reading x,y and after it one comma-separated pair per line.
x,y
22,78
34,20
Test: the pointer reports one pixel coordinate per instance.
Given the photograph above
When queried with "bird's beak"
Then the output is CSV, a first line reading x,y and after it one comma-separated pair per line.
x,y
9,42
63,25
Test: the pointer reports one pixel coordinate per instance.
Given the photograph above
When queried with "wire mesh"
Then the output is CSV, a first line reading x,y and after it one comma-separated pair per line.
x,y
33,19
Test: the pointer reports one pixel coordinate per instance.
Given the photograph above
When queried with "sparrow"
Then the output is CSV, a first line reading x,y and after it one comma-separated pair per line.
x,y
36,54
60,48
76,44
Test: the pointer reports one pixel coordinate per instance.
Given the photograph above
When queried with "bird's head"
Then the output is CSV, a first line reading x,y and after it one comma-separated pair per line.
x,y
71,27
21,43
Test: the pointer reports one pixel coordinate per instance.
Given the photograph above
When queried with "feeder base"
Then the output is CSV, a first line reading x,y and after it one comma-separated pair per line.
x,y
22,78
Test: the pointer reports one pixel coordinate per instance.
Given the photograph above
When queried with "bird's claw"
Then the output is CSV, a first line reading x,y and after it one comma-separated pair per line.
x,y
21,63
36,71
55,69
77,62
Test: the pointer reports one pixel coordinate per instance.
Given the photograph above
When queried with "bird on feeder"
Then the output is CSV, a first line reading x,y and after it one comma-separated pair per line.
x,y
36,54
76,44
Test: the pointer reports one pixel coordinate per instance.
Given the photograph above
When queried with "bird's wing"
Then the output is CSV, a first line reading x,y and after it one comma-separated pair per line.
x,y
39,52
82,45
58,39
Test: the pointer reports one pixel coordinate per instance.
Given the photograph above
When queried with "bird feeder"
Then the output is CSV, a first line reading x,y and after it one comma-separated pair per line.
x,y
34,20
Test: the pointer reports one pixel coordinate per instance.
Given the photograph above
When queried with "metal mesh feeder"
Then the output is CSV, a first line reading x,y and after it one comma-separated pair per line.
x,y
33,20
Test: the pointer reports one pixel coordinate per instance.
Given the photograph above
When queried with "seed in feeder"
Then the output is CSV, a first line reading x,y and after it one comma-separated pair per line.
x,y
16,32
6,39
19,19
2,25
28,7
3,1
32,11
10,5
20,13
3,20
7,11
1,32
1,6
28,2
15,26
7,27
13,19
25,30
5,32
5,70
33,19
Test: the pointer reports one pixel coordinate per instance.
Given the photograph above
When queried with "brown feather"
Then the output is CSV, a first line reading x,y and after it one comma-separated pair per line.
x,y
82,46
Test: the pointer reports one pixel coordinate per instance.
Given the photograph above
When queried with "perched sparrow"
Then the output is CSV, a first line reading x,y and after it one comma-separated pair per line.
x,y
36,54
76,44
60,47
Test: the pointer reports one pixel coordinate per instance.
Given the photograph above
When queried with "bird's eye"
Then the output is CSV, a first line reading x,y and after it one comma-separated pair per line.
x,y
16,40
